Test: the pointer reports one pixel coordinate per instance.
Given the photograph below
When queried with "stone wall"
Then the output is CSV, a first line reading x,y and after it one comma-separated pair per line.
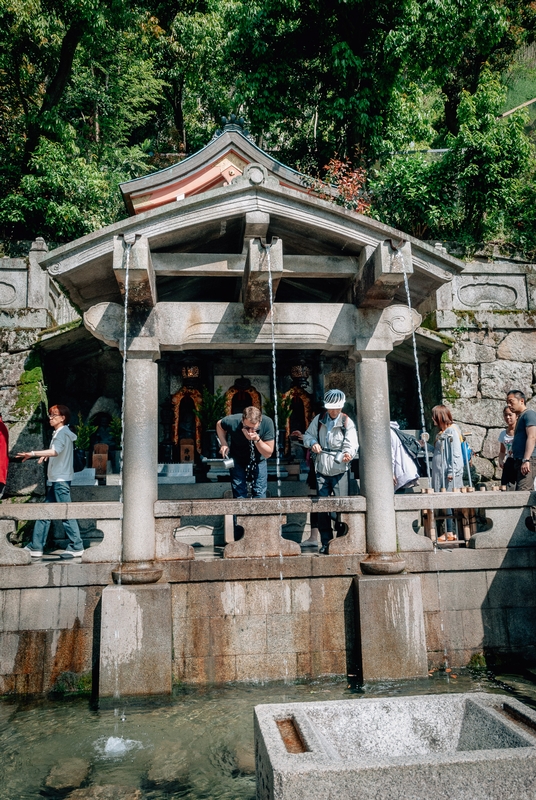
x,y
262,630
30,303
241,628
45,633
488,316
478,603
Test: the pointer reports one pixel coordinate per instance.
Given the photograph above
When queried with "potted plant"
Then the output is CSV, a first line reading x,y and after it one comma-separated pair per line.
x,y
116,429
84,431
211,410
284,410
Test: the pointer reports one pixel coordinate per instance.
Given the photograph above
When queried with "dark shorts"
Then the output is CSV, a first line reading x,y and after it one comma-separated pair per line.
x,y
524,483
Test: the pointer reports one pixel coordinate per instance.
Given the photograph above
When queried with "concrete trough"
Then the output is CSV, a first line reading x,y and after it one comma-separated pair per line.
x,y
447,747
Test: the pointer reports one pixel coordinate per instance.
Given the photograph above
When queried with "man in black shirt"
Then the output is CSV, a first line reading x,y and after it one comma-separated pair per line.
x,y
252,440
523,450
524,443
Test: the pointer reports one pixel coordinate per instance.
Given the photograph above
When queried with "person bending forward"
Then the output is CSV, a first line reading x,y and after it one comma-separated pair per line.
x,y
251,442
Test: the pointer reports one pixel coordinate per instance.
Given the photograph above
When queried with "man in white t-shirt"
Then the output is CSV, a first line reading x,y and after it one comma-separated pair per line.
x,y
60,474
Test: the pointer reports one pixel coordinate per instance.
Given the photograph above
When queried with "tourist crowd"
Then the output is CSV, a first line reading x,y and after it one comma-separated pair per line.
x,y
332,445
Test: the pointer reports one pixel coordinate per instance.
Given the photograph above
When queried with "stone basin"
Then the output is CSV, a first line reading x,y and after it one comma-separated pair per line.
x,y
432,747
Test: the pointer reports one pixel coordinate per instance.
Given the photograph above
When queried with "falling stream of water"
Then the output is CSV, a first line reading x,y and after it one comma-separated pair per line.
x,y
118,713
274,368
274,385
400,255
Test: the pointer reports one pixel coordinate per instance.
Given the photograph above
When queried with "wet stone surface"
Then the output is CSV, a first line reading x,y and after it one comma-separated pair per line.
x,y
68,774
196,745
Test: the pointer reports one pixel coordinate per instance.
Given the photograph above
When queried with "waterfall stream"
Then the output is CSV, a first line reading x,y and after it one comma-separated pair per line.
x,y
417,372
267,248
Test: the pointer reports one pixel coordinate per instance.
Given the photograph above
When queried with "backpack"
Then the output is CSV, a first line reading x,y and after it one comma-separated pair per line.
x,y
319,423
79,460
467,453
409,443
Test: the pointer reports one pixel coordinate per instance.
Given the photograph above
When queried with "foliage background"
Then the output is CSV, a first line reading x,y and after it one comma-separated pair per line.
x,y
402,98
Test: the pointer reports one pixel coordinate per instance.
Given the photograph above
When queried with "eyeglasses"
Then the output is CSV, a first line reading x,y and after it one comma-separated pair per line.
x,y
248,428
51,416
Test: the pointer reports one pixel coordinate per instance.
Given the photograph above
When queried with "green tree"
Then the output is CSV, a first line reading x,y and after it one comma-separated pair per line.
x,y
469,192
75,84
315,77
187,48
488,157
452,43
38,44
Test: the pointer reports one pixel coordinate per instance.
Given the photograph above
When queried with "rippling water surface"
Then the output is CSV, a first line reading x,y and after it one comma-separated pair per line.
x,y
197,745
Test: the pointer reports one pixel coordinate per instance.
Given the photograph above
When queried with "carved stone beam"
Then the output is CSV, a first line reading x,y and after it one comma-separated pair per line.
x,y
261,261
106,321
256,225
381,272
133,251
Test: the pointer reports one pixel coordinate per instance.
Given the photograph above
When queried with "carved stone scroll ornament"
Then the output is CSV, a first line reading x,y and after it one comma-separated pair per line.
x,y
105,322
486,292
489,295
378,334
8,293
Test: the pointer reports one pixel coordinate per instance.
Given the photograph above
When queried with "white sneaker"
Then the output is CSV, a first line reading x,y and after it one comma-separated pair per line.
x,y
70,552
32,552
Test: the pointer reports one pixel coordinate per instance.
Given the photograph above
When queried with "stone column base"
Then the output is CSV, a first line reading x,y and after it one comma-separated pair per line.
x,y
137,572
391,627
262,538
382,564
136,640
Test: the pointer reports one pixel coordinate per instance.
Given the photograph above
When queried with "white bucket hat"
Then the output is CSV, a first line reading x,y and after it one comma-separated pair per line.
x,y
334,399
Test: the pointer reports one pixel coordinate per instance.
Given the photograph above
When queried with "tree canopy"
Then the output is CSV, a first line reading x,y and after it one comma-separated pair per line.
x,y
407,94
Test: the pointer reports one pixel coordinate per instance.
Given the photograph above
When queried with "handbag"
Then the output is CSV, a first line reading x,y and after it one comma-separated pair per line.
x,y
79,460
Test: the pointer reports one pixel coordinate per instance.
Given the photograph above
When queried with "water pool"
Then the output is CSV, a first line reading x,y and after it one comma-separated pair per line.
x,y
197,745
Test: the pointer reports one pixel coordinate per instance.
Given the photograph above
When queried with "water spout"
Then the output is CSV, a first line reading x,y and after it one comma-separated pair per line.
x,y
274,366
400,255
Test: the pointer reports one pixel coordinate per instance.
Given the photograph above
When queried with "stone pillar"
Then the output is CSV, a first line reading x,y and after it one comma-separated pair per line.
x,y
135,641
140,457
37,277
391,627
377,332
375,464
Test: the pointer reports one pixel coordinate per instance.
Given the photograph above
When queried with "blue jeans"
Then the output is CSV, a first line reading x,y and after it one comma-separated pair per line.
x,y
260,480
59,492
336,486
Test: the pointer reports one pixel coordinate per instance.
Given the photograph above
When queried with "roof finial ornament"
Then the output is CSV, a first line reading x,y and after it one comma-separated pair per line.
x,y
233,123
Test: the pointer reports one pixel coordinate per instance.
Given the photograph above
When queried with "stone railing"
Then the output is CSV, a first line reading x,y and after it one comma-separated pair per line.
x,y
501,518
106,515
261,520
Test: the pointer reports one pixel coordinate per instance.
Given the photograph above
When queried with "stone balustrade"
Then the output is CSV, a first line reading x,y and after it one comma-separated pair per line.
x,y
107,517
503,514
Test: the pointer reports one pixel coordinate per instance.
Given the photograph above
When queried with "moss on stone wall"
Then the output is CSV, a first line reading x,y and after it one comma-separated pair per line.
x,y
73,683
31,392
430,322
67,326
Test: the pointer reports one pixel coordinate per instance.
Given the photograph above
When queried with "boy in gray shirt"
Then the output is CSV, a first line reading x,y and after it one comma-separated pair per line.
x,y
60,474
